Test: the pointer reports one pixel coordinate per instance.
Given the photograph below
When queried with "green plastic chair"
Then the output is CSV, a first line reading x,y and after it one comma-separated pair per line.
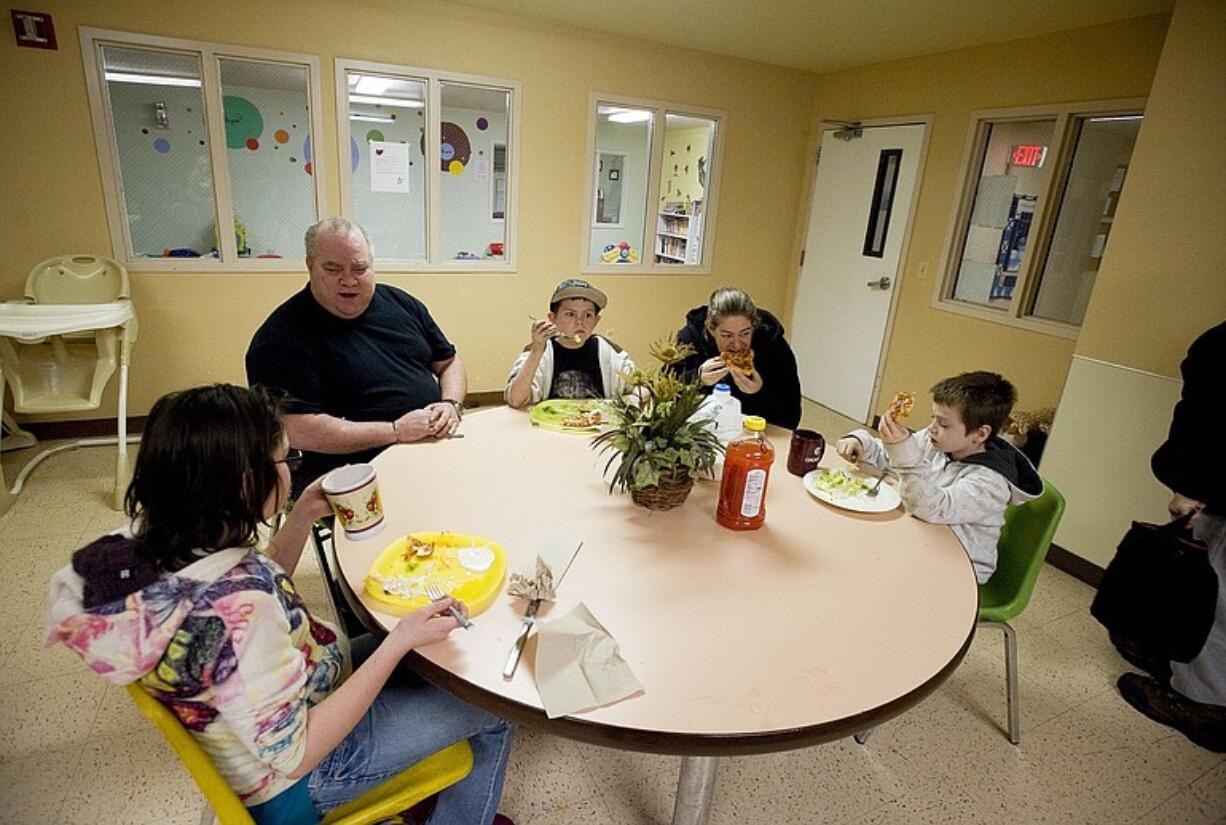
x,y
1024,541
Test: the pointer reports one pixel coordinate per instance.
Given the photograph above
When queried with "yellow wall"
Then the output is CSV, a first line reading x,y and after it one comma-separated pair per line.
x,y
1161,284
1166,251
1110,61
195,328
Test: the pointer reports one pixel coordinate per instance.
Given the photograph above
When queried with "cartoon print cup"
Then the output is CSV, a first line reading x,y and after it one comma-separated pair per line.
x,y
353,492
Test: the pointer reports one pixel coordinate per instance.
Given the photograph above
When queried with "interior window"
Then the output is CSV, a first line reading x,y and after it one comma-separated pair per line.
x,y
1086,212
156,107
1006,194
197,187
267,107
688,142
623,138
1035,211
387,117
474,120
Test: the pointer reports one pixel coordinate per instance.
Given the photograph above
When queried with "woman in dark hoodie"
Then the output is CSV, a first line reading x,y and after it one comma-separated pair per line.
x,y
731,324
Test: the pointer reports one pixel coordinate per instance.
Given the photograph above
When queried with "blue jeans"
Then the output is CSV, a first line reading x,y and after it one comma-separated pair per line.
x,y
410,720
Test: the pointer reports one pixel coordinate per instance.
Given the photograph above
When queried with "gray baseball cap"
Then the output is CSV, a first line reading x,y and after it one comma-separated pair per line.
x,y
578,288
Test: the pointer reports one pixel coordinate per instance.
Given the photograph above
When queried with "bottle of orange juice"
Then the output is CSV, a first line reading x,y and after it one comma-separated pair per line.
x,y
742,488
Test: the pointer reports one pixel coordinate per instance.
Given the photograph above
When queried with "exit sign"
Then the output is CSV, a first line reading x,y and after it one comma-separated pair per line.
x,y
1025,154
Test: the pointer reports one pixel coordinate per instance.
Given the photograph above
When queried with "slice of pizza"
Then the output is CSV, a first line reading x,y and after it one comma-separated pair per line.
x,y
902,405
741,361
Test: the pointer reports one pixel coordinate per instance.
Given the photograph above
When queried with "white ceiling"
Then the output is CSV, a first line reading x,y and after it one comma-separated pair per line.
x,y
826,35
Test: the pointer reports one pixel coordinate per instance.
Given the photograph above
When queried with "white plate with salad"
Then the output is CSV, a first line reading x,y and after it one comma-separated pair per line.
x,y
848,489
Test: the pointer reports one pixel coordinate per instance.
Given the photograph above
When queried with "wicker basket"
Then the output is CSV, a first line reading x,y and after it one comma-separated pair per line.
x,y
672,490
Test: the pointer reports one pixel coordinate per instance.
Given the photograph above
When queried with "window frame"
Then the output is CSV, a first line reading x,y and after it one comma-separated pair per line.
x,y
660,109
432,174
1053,180
211,54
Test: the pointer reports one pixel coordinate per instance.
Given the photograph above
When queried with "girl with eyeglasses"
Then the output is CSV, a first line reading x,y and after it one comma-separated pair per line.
x,y
184,603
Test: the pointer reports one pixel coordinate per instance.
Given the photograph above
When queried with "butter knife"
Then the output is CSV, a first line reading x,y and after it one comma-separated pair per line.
x,y
517,649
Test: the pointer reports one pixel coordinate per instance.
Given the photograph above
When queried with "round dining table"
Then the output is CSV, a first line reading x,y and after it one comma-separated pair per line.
x,y
819,625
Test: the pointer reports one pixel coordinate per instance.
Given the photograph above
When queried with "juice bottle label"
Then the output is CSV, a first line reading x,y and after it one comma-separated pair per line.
x,y
755,484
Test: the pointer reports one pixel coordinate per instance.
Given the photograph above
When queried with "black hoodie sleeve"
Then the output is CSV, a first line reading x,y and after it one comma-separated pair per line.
x,y
779,399
688,369
1190,461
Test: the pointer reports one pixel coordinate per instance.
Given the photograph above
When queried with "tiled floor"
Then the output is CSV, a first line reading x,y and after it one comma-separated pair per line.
x,y
73,750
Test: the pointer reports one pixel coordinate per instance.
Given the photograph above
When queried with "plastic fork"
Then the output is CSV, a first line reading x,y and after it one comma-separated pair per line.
x,y
435,593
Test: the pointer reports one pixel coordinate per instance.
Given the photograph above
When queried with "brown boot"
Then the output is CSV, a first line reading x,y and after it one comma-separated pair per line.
x,y
1204,724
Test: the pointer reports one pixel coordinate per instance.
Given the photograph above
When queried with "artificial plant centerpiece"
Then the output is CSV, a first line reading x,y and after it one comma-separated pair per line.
x,y
658,445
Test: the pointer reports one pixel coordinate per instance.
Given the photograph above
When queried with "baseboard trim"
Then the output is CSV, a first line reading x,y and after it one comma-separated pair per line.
x,y
1074,565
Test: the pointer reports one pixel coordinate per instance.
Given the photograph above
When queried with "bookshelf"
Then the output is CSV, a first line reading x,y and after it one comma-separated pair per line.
x,y
679,234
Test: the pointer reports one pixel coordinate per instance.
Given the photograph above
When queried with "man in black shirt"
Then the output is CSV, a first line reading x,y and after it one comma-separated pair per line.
x,y
363,364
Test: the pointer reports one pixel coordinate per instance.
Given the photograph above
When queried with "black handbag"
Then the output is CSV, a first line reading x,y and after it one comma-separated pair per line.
x,y
1159,592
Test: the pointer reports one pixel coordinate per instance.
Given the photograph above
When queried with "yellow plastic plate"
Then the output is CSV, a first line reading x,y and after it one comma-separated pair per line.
x,y
398,563
552,414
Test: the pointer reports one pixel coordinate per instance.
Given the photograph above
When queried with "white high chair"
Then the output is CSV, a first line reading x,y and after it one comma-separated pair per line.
x,y
58,349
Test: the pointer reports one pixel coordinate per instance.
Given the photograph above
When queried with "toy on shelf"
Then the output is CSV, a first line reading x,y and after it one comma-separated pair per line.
x,y
619,253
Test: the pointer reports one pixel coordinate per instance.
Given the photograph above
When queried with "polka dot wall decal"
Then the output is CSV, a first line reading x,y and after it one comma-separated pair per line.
x,y
306,167
447,151
202,143
252,144
281,136
244,122
455,168
189,108
162,145
293,160
354,155
374,134
482,124
144,131
393,115
280,114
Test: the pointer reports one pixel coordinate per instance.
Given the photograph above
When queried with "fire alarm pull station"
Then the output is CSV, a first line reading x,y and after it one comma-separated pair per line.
x,y
34,29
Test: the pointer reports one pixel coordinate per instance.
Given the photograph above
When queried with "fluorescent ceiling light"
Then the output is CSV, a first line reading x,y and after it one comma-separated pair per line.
x,y
374,118
387,101
1116,117
152,79
370,85
630,116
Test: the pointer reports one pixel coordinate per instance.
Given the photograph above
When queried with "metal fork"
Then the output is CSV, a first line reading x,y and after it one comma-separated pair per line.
x,y
435,593
873,492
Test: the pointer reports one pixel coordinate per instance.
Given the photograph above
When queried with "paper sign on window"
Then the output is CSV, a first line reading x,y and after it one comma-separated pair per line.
x,y
389,166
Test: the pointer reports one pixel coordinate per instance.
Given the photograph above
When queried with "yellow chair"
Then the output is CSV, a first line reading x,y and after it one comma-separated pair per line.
x,y
407,788
59,347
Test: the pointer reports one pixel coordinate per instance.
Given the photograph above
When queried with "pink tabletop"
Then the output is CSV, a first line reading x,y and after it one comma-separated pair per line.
x,y
820,624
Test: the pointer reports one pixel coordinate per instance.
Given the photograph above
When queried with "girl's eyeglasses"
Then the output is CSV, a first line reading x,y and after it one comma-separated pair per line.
x,y
292,460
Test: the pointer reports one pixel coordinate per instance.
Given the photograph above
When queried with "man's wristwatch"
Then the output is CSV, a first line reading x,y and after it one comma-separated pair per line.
x,y
459,408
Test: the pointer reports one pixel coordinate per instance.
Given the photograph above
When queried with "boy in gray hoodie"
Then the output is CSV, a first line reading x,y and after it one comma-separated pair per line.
x,y
958,470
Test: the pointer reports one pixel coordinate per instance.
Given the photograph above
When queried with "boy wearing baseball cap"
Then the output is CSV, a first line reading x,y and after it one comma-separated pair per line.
x,y
565,358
